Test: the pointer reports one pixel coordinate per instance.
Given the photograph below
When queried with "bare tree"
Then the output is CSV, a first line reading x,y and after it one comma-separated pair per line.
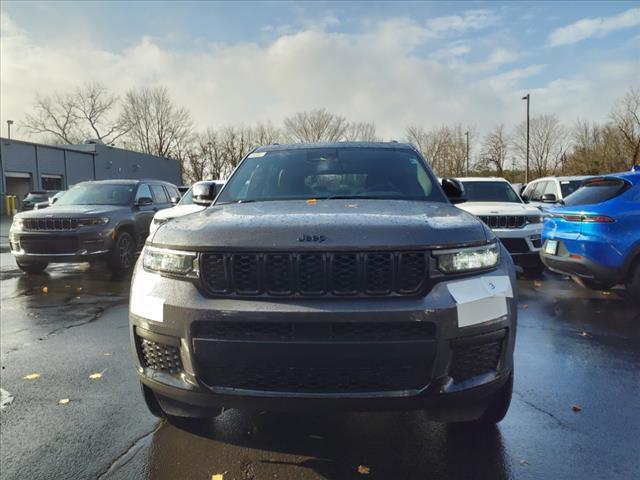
x,y
444,147
94,106
595,149
548,144
86,112
315,126
54,115
626,117
361,132
265,134
494,150
154,124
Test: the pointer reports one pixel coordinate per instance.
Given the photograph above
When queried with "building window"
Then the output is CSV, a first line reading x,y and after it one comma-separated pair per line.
x,y
50,182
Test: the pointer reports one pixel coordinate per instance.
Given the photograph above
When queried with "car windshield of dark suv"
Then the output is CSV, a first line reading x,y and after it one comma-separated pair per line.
x,y
490,192
97,194
316,173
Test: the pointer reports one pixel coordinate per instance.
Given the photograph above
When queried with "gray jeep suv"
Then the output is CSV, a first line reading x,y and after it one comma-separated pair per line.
x,y
327,276
100,219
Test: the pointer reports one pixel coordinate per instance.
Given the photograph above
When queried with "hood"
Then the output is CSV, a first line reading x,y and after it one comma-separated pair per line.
x,y
337,224
177,211
73,211
499,208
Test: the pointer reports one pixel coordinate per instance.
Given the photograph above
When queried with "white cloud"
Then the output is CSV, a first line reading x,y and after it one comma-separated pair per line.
x,y
500,56
469,20
594,27
373,76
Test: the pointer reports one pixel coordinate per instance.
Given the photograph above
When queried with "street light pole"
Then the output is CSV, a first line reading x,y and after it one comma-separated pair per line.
x,y
527,97
9,123
467,135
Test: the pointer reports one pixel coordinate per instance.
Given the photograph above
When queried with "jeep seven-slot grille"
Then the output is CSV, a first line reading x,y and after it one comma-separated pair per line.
x,y
314,274
34,224
504,221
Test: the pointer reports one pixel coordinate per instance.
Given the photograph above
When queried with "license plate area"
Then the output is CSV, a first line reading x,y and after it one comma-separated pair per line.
x,y
551,247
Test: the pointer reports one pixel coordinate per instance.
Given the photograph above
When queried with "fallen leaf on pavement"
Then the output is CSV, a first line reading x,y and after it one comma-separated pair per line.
x,y
525,306
362,470
217,476
524,462
576,408
63,401
78,290
312,201
316,437
606,293
97,375
585,334
31,376
107,354
537,284
45,289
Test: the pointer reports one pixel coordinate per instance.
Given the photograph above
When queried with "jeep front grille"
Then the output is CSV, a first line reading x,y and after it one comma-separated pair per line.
x,y
314,274
55,224
504,221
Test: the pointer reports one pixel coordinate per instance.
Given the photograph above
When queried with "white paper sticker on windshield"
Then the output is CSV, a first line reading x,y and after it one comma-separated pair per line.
x,y
257,154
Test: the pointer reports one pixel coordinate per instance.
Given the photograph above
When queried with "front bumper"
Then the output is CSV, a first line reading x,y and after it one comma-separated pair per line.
x,y
70,246
523,244
173,323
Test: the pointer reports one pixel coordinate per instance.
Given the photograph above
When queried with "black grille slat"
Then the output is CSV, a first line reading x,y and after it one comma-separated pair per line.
x,y
504,221
314,331
315,273
515,245
374,378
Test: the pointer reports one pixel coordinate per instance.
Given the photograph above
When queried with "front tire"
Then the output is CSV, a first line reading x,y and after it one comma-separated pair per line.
x,y
32,267
122,253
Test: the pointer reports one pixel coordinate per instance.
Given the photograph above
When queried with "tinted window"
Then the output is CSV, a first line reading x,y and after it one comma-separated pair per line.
x,y
98,194
597,191
143,192
569,186
159,195
328,173
490,192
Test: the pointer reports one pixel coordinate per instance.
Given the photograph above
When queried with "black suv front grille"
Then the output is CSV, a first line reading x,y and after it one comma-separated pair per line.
x,y
314,274
314,331
49,245
50,224
515,245
346,379
504,221
161,357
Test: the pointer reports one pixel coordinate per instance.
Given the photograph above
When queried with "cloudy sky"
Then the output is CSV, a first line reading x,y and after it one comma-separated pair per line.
x,y
392,63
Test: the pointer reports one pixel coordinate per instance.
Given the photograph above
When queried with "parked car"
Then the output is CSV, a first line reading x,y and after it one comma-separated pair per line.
x,y
517,225
327,276
595,236
50,201
548,191
32,198
102,219
189,203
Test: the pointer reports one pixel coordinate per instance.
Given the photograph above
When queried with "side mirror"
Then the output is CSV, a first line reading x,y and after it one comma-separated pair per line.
x,y
144,201
175,200
204,193
549,198
454,190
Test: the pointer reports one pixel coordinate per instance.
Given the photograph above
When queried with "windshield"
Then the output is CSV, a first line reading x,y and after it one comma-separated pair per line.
x,y
331,173
98,194
490,192
569,186
597,191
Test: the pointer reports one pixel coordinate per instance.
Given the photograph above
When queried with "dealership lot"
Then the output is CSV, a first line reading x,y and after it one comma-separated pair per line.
x,y
574,414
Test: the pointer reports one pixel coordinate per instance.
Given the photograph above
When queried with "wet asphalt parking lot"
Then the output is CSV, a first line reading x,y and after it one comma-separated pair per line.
x,y
574,348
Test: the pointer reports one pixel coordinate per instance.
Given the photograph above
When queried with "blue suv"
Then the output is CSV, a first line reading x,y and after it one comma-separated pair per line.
x,y
594,237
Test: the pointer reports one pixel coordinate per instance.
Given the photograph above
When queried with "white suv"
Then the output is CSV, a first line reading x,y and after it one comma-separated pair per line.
x,y
515,223
548,191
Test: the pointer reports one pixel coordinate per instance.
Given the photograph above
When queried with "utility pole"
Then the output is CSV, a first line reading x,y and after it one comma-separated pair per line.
x,y
9,123
527,97
467,135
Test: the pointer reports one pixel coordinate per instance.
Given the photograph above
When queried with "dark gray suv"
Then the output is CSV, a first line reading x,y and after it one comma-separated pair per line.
x,y
327,276
101,219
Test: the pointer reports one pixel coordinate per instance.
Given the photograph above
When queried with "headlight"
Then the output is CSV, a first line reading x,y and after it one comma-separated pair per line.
x,y
534,219
17,224
467,259
170,261
88,222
